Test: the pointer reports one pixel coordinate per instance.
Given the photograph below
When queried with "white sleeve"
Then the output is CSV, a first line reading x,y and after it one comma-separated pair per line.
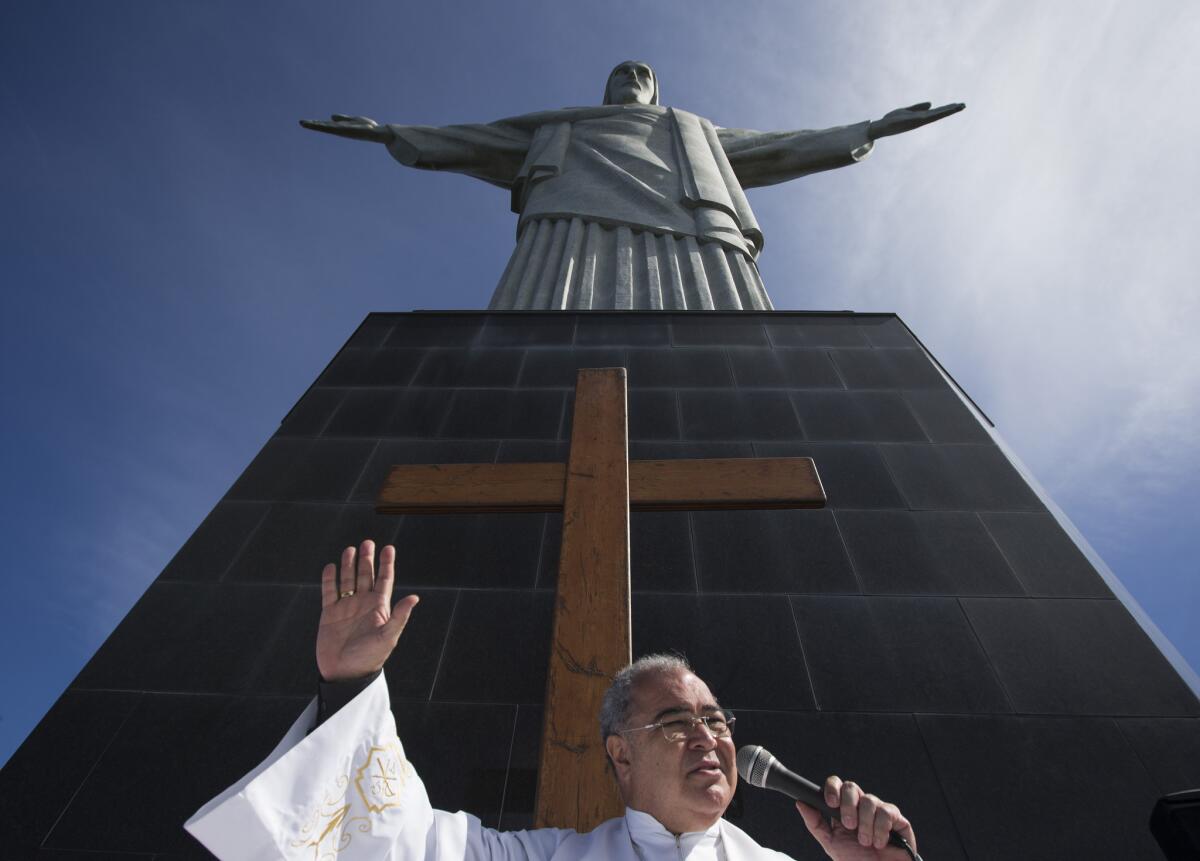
x,y
347,791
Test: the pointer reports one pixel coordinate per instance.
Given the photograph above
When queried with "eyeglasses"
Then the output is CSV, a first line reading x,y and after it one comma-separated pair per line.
x,y
677,729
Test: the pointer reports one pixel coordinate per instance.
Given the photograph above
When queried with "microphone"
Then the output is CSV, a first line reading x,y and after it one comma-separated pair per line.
x,y
758,767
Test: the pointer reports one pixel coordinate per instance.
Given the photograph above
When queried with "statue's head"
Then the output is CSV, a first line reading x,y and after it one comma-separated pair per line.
x,y
631,83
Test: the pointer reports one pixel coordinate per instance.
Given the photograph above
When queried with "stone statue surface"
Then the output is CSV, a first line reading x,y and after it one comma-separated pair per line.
x,y
630,205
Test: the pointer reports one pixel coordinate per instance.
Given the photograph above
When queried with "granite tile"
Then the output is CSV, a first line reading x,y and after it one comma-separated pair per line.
x,y
678,368
436,330
310,415
945,417
726,329
364,412
738,415
771,551
789,331
521,790
327,471
555,368
883,753
1044,557
765,671
854,476
887,369
354,525
1077,656
211,549
390,367
498,648
347,368
856,417
374,331
533,451
419,413
972,477
782,368
628,330
895,655
476,368
461,753
660,550
270,470
293,543
528,330
926,552
206,638
477,550
43,773
653,415
193,746
1169,748
479,413
394,452
998,772
664,450
886,332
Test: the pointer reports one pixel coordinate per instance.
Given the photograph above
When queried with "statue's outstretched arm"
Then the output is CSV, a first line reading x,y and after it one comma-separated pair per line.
x,y
767,158
358,128
906,119
493,152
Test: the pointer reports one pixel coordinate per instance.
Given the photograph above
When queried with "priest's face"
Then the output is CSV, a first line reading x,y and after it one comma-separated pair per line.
x,y
631,83
686,785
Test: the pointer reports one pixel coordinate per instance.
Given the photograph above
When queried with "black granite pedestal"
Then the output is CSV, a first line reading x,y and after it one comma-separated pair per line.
x,y
933,634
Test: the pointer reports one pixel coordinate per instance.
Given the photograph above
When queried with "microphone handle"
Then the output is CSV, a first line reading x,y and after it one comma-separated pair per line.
x,y
801,789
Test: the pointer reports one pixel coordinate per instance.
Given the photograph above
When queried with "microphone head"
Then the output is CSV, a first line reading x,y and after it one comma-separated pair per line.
x,y
753,762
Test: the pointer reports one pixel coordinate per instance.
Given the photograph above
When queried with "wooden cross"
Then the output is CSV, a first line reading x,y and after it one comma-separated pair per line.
x,y
595,490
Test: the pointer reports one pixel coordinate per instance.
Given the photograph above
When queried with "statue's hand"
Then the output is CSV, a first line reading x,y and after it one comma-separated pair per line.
x,y
359,626
359,128
906,119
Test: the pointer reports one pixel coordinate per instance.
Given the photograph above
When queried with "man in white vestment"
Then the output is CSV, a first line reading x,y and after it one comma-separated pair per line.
x,y
339,785
630,205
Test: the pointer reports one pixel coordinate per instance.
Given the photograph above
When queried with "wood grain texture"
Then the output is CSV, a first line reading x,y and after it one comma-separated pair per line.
x,y
654,485
591,640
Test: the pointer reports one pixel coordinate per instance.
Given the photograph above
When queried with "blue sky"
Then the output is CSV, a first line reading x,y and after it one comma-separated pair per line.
x,y
180,259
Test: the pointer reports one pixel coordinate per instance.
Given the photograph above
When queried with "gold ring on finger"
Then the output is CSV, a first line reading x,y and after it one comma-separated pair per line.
x,y
346,594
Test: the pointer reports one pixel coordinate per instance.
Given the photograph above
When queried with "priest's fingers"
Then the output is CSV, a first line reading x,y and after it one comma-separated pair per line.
x,y
387,573
833,791
346,573
328,586
848,804
394,626
366,567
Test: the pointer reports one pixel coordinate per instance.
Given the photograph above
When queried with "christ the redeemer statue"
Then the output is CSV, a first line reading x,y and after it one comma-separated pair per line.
x,y
630,205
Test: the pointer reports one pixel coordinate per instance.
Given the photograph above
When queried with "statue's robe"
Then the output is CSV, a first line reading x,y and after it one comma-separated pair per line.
x,y
629,206
347,791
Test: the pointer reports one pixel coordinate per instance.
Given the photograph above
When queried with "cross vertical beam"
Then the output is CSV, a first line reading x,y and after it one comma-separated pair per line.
x,y
591,640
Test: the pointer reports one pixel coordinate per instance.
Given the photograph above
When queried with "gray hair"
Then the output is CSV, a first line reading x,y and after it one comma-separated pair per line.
x,y
614,708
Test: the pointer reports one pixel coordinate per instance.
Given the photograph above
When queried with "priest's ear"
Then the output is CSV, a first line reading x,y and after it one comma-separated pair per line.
x,y
618,751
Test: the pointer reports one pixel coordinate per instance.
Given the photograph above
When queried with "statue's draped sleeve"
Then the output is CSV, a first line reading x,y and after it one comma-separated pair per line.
x,y
493,152
767,158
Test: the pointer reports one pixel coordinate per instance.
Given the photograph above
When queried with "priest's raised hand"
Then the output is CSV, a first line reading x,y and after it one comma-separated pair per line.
x,y
359,626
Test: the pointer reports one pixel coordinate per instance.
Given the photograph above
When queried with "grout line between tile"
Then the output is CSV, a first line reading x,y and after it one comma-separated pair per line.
x,y
445,645
812,686
84,780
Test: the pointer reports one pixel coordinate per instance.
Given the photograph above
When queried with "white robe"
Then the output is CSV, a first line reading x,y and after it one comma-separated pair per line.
x,y
346,791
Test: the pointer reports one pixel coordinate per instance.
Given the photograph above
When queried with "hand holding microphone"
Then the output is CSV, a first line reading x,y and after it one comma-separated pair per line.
x,y
862,824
